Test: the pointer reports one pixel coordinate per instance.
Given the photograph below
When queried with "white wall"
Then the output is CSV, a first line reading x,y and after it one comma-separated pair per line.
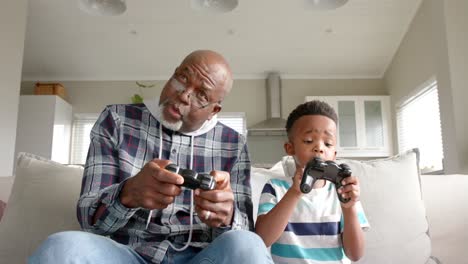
x,y
436,45
12,30
93,96
247,96
456,22
442,73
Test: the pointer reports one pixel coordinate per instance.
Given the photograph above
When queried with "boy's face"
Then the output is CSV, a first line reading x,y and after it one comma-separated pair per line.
x,y
312,136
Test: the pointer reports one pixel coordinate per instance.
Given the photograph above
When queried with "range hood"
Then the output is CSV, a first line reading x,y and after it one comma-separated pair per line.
x,y
274,125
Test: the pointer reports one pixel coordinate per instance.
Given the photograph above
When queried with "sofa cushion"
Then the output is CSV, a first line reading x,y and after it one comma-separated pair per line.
x,y
42,202
391,197
259,176
444,197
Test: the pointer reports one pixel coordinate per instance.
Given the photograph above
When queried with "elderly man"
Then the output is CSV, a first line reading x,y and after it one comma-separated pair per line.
x,y
137,211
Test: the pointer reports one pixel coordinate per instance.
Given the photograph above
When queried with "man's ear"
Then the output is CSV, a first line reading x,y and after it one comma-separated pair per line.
x,y
289,148
216,109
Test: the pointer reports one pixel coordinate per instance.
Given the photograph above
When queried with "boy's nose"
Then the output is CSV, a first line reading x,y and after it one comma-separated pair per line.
x,y
318,149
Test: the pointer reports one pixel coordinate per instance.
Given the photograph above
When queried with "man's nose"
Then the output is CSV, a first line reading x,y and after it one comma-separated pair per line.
x,y
185,94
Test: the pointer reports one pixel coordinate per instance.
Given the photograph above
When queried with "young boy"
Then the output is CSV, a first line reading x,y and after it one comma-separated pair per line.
x,y
313,227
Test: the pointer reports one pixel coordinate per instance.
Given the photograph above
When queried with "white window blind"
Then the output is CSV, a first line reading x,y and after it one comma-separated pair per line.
x,y
235,120
418,124
82,125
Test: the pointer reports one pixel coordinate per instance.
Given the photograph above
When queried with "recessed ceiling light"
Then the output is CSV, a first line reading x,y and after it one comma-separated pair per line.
x,y
214,6
103,7
326,4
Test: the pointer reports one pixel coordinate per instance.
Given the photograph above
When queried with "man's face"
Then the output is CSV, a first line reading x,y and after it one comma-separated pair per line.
x,y
192,94
312,136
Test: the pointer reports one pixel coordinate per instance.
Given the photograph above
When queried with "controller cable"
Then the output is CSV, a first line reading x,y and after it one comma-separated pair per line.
x,y
173,207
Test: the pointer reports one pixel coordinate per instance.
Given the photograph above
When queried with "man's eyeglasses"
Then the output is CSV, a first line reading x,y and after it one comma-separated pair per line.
x,y
198,99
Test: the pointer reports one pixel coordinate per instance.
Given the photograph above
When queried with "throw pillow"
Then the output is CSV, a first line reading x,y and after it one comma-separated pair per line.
x,y
259,176
42,201
391,197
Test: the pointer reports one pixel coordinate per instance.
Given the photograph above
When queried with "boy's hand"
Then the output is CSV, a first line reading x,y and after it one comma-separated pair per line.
x,y
350,189
297,180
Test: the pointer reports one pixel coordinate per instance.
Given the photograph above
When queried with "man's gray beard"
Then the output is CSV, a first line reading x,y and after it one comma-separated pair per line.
x,y
175,126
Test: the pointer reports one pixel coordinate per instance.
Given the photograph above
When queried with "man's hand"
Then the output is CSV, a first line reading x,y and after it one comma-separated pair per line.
x,y
216,207
152,188
350,189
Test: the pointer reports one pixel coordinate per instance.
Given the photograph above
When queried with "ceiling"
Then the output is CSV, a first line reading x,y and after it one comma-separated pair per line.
x,y
150,39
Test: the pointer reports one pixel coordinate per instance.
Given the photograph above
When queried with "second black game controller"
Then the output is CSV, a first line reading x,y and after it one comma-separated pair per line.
x,y
328,170
192,179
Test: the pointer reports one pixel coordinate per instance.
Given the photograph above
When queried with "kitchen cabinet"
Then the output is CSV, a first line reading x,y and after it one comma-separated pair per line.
x,y
364,125
44,127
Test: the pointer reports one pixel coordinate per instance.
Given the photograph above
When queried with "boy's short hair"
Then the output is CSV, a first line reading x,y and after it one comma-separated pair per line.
x,y
314,107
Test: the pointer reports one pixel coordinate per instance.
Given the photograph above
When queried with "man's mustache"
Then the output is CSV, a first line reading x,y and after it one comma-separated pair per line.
x,y
183,111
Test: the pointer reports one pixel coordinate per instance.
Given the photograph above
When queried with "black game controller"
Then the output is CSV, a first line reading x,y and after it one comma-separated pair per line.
x,y
328,170
193,180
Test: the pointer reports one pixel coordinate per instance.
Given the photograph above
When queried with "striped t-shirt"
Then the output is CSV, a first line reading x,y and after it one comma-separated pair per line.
x,y
313,232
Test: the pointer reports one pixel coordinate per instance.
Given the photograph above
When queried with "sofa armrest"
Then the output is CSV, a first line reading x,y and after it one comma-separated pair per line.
x,y
444,198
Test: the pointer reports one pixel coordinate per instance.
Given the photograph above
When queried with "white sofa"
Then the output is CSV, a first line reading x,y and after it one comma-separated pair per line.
x,y
44,193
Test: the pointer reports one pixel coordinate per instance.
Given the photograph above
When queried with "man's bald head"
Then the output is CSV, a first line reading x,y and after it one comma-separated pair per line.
x,y
195,91
213,61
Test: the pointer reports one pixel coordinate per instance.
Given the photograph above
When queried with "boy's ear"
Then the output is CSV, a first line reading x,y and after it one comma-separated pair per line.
x,y
289,148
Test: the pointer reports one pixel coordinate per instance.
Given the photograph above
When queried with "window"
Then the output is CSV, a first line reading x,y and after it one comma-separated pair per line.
x,y
418,124
83,123
60,144
235,120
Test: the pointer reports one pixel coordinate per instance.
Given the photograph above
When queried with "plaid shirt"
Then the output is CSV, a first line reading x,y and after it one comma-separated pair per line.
x,y
123,140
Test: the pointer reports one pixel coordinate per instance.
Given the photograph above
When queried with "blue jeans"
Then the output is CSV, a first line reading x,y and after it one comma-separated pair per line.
x,y
81,247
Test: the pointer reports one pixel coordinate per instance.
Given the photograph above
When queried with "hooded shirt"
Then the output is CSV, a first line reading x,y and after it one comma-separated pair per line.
x,y
125,138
